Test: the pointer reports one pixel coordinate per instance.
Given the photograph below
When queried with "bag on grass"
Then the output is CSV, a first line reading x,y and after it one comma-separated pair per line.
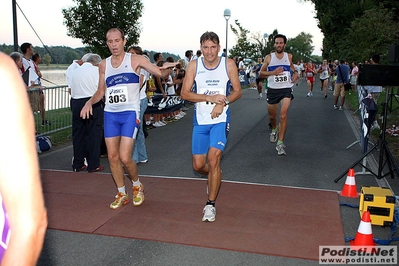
x,y
43,143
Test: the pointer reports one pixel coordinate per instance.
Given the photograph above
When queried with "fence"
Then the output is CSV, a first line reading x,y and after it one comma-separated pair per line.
x,y
51,104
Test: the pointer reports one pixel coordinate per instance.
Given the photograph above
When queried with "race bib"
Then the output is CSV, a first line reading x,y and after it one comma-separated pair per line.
x,y
283,77
117,95
309,74
204,109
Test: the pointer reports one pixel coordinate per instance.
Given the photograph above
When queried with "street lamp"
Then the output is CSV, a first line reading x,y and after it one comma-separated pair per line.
x,y
227,15
265,35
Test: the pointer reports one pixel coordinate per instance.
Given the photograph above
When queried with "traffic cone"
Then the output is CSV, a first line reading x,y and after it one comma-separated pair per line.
x,y
364,235
349,189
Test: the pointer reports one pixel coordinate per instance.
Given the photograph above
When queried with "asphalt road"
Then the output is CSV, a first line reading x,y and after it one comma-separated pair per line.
x,y
316,144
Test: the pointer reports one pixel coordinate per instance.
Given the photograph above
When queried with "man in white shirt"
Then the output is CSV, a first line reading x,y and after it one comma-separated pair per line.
x,y
86,133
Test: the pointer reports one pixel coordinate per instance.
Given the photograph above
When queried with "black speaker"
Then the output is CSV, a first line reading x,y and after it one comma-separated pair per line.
x,y
393,54
378,75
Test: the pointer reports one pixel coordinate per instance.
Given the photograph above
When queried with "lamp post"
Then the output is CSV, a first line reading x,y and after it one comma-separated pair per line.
x,y
227,15
265,35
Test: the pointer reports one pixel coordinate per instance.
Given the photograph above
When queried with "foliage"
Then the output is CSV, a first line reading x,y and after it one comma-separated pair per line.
x,y
388,31
300,46
354,30
243,48
89,21
46,59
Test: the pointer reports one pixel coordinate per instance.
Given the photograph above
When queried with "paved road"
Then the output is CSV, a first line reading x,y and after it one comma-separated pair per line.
x,y
316,140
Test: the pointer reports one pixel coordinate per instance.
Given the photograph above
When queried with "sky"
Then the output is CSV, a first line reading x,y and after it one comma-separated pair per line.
x,y
172,26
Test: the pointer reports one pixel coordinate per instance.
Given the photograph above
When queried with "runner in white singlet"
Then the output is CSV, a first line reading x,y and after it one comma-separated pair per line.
x,y
119,83
212,83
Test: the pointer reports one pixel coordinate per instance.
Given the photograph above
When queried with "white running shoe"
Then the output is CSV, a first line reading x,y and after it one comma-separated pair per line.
x,y
274,135
280,149
209,213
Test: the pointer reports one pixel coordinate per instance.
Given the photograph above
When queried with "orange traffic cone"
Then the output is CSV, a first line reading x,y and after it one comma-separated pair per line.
x,y
349,189
364,235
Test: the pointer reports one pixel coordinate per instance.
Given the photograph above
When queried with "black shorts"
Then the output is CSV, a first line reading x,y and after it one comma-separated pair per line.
x,y
274,96
259,80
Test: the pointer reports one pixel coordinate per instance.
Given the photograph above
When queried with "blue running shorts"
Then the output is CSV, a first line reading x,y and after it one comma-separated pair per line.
x,y
206,136
121,124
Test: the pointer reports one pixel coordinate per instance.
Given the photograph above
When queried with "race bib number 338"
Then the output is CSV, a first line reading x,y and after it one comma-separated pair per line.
x,y
281,78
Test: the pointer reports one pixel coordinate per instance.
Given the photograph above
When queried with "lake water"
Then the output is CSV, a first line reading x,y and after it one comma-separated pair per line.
x,y
54,77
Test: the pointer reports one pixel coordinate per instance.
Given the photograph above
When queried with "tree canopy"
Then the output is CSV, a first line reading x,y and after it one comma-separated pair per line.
x,y
89,21
354,30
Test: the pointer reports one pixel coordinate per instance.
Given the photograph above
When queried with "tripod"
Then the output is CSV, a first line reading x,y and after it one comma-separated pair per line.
x,y
385,156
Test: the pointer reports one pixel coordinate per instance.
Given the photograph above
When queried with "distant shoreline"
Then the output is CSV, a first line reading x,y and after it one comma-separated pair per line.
x,y
53,66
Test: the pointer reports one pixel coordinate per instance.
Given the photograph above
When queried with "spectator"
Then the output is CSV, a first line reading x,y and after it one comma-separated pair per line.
x,y
86,134
24,219
197,55
139,150
160,90
36,61
354,74
339,90
34,79
187,57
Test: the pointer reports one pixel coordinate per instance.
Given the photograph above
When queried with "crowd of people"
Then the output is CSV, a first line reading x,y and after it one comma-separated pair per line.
x,y
27,63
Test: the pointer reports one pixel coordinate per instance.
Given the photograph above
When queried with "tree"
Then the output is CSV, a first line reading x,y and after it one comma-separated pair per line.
x,y
244,48
91,19
388,32
46,59
300,46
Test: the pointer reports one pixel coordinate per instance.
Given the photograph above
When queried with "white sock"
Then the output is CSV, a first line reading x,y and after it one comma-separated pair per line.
x,y
122,190
136,183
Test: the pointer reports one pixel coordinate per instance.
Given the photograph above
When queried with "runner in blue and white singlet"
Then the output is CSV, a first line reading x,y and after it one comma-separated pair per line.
x,y
123,87
281,76
122,99
284,80
210,82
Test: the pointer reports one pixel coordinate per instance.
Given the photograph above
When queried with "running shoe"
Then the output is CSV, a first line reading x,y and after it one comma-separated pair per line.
x,y
209,213
274,135
138,195
340,108
120,199
335,107
280,149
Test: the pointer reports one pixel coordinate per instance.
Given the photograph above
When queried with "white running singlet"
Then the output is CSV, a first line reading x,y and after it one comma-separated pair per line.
x,y
211,82
284,80
122,87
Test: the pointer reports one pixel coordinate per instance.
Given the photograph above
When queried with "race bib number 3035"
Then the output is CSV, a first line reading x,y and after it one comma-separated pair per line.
x,y
117,95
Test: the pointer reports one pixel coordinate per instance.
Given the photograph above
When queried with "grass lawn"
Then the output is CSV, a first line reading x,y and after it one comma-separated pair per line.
x,y
393,117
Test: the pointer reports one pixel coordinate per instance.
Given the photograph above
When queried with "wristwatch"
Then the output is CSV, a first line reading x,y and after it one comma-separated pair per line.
x,y
227,102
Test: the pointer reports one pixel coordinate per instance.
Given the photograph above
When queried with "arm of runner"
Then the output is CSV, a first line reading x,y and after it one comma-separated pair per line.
x,y
294,71
87,109
263,73
235,90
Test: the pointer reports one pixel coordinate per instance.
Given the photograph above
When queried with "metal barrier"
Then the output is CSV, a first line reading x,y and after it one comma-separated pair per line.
x,y
51,108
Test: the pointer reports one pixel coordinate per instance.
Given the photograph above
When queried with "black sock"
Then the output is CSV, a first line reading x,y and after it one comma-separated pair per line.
x,y
210,202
